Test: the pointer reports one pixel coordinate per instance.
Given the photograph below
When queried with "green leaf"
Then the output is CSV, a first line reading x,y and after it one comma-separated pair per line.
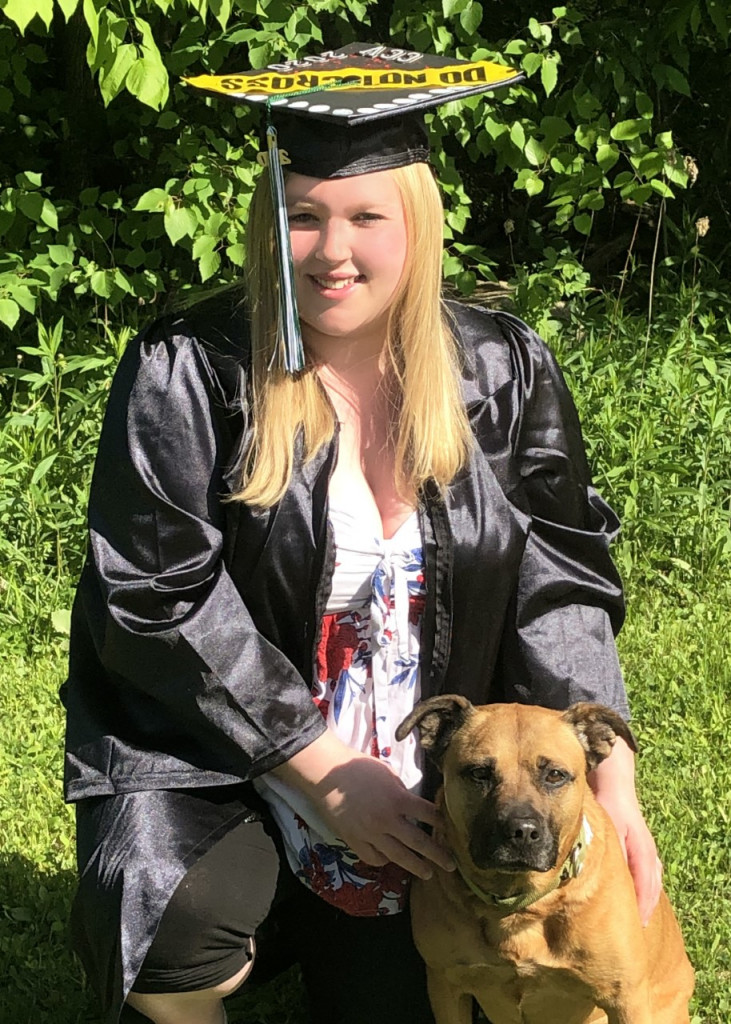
x,y
553,129
592,200
534,152
528,179
208,265
531,63
452,7
147,79
585,135
659,186
471,17
155,199
517,135
221,10
68,7
540,32
236,253
582,223
102,283
61,254
493,128
644,104
31,204
631,129
549,74
49,215
665,74
9,312
42,468
61,620
22,12
28,179
111,82
91,16
606,156
180,222
25,298
717,11
203,245
169,119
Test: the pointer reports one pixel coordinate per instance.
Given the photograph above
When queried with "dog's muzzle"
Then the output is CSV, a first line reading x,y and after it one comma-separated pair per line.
x,y
516,840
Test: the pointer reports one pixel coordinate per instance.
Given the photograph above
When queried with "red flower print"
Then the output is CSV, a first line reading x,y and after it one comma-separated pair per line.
x,y
338,642
417,604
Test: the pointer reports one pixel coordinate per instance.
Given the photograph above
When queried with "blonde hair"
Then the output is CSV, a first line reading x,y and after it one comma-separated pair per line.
x,y
429,429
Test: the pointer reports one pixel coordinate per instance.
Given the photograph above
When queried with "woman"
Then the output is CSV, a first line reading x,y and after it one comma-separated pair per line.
x,y
279,568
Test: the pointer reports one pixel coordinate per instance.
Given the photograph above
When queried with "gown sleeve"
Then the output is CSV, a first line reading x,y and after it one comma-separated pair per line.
x,y
170,682
558,646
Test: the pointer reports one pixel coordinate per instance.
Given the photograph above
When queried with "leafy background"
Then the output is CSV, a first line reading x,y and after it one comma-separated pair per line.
x,y
593,199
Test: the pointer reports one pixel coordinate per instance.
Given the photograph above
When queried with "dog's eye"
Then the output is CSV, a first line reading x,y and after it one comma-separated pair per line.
x,y
481,772
555,777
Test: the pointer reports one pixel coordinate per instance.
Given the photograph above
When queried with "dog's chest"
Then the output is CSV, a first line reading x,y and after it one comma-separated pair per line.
x,y
518,965
524,989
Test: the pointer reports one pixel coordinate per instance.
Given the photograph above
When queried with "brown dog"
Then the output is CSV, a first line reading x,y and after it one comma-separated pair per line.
x,y
540,921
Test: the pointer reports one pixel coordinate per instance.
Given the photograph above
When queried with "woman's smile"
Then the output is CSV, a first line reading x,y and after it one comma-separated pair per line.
x,y
333,283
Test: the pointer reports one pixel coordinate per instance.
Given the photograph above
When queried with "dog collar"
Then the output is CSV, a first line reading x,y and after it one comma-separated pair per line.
x,y
572,868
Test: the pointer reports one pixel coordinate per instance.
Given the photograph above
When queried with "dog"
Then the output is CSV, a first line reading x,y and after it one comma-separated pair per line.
x,y
539,922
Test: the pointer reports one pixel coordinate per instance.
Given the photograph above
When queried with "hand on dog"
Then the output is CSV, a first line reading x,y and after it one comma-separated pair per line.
x,y
366,805
614,787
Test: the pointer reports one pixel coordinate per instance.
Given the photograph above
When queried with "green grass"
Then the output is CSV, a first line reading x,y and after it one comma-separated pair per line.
x,y
676,649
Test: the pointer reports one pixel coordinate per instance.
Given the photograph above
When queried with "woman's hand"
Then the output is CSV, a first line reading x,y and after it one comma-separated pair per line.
x,y
366,805
613,783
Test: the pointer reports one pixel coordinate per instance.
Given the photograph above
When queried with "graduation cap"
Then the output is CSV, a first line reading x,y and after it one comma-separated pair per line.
x,y
345,112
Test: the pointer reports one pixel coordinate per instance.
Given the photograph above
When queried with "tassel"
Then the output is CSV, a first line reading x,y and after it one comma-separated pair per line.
x,y
289,336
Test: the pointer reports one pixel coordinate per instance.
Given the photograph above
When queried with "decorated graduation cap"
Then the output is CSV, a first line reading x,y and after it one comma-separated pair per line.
x,y
340,113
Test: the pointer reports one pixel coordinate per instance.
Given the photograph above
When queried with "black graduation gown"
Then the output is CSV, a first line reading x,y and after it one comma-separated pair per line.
x,y
195,623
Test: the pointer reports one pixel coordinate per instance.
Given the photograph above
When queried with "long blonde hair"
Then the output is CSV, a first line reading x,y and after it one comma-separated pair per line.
x,y
429,432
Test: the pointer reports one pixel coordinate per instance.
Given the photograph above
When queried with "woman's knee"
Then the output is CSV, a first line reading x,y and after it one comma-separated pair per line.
x,y
204,937
203,1006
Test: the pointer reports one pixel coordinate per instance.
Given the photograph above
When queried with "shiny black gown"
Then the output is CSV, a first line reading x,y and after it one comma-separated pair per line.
x,y
196,619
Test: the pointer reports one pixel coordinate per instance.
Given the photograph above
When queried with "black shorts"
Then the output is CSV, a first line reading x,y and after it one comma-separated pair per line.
x,y
173,885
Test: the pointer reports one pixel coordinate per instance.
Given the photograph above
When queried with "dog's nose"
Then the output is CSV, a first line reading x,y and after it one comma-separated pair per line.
x,y
525,830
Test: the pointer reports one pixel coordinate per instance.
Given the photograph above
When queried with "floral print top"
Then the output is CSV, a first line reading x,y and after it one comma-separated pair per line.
x,y
368,681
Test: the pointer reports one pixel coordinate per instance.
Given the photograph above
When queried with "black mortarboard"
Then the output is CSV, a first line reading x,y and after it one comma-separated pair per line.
x,y
345,112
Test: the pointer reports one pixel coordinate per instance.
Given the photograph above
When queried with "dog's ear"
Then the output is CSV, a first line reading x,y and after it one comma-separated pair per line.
x,y
597,728
437,719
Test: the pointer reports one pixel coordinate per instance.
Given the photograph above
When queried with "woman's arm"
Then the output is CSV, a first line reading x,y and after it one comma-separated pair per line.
x,y
168,672
613,784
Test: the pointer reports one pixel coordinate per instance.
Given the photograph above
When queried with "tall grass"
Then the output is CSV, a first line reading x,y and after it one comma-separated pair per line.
x,y
53,403
656,407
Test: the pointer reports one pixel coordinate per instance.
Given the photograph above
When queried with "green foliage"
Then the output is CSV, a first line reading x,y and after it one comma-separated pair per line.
x,y
48,437
656,408
122,187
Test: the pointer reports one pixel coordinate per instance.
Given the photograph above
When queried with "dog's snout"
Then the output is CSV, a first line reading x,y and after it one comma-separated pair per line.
x,y
525,830
518,839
